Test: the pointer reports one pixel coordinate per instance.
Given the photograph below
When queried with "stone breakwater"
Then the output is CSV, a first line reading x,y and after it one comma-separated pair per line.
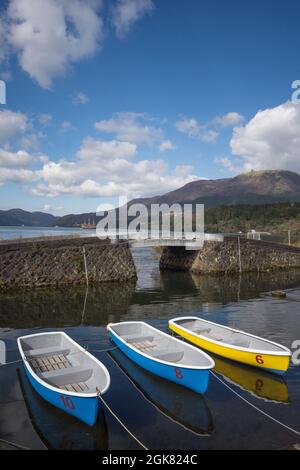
x,y
231,256
60,261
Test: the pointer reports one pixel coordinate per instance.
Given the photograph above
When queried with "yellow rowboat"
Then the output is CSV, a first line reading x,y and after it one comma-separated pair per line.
x,y
257,382
233,344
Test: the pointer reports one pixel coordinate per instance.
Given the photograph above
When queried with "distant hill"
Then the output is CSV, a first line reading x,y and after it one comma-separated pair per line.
x,y
18,217
73,220
273,218
255,187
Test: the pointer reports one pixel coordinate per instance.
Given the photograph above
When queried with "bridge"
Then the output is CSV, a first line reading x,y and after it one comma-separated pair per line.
x,y
56,261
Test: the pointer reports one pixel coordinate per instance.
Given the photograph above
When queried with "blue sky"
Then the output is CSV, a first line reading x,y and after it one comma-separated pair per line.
x,y
138,97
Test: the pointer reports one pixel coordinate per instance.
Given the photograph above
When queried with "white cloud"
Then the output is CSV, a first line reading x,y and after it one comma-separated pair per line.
x,y
80,98
14,167
126,12
105,168
192,128
166,145
11,124
45,119
92,150
228,164
5,74
50,35
66,126
4,49
270,140
32,141
209,131
18,159
130,127
16,175
229,120
49,208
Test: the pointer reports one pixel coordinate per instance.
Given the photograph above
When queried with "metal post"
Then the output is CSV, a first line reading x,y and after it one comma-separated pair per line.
x,y
85,267
240,259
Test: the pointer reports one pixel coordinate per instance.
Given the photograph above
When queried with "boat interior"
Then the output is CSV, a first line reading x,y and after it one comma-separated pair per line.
x,y
224,335
159,346
60,363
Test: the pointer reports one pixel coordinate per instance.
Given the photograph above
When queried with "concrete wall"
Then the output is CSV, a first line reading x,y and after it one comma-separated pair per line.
x,y
217,258
56,262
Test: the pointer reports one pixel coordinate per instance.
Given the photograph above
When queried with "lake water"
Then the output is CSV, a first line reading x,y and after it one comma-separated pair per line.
x,y
7,233
161,414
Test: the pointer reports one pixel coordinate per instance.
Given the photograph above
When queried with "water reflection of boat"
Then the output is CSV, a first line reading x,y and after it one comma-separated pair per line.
x,y
58,430
259,383
185,407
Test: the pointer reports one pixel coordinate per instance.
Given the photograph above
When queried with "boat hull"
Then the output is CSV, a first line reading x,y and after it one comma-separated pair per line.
x,y
276,364
194,379
187,408
85,409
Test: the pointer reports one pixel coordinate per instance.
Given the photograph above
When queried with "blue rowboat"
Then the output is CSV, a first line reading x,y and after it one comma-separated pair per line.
x,y
65,374
47,420
162,354
182,405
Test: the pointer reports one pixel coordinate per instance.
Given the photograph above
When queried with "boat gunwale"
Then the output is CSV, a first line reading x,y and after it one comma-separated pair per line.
x,y
56,389
285,351
211,364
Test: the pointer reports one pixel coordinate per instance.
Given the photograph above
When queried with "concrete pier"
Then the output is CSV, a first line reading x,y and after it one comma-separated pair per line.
x,y
233,255
60,261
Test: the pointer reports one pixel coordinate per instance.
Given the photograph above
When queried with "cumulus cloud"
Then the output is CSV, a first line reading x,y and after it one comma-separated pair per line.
x,y
18,159
66,126
130,127
14,167
32,141
208,131
229,120
11,124
80,98
45,119
20,176
4,49
107,168
192,128
270,140
51,35
101,150
166,145
126,12
228,164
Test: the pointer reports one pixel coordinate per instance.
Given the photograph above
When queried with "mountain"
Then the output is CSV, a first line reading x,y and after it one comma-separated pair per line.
x,y
73,220
255,187
17,217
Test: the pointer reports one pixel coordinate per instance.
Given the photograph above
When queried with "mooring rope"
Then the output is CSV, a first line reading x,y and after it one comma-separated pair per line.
x,y
118,419
254,406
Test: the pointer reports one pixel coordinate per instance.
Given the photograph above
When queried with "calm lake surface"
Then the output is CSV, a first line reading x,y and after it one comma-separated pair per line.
x,y
161,414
